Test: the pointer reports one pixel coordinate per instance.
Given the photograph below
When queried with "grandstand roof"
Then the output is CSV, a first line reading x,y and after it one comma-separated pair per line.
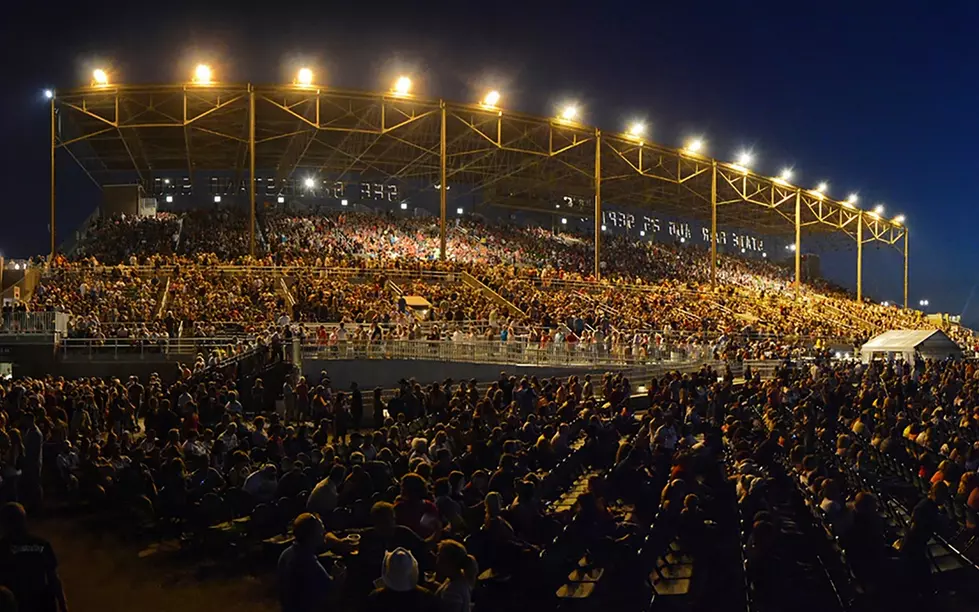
x,y
137,132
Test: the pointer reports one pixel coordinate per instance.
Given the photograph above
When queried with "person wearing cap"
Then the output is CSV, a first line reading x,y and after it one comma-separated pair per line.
x,y
399,589
28,566
304,584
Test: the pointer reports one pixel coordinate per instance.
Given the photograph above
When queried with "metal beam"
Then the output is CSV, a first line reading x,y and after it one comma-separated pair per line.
x,y
443,188
860,257
713,223
905,267
251,167
54,148
598,204
798,237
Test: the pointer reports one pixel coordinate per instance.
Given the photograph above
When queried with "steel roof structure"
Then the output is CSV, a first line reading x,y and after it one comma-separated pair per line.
x,y
512,159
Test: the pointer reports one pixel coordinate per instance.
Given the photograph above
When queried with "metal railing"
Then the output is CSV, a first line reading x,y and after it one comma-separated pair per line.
x,y
504,353
24,323
120,348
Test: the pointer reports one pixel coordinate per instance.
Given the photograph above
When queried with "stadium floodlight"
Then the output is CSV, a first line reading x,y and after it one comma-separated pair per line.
x,y
281,200
344,202
922,302
682,239
202,74
304,77
694,145
569,112
459,211
402,86
764,255
404,206
822,187
785,175
899,219
885,303
166,181
48,94
642,233
603,227
100,77
852,199
879,209
637,129
169,199
492,99
745,158
564,221
309,183
217,199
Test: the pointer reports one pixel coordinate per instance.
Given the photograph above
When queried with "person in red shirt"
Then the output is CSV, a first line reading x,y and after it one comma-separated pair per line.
x,y
414,508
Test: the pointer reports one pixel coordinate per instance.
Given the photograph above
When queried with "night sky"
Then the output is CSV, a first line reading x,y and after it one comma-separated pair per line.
x,y
874,97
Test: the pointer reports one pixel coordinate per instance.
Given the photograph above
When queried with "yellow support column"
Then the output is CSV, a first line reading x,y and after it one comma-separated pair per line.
x,y
713,223
905,267
860,257
54,146
798,237
251,163
598,204
443,187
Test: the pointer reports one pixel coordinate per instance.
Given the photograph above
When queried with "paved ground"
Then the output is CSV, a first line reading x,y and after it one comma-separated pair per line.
x,y
103,573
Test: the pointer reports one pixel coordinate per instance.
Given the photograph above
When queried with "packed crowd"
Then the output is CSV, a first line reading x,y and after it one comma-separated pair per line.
x,y
421,501
648,289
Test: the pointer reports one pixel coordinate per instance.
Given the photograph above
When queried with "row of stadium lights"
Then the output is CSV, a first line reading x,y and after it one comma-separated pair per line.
x,y
402,87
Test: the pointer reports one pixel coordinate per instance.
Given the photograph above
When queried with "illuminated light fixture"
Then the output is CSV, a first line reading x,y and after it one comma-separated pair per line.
x,y
100,77
899,219
642,233
682,240
281,200
492,99
564,221
603,227
879,209
764,255
169,199
202,74
404,206
745,158
310,183
344,202
852,199
790,247
48,94
695,145
402,86
742,250
637,129
304,77
459,211
569,112
822,187
166,181
785,175
885,303
217,199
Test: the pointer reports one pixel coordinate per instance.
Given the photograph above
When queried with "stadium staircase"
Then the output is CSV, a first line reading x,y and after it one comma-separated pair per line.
x,y
283,290
163,300
493,296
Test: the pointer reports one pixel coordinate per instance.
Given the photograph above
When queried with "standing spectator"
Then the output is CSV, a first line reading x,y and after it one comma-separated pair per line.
x,y
304,584
28,566
30,481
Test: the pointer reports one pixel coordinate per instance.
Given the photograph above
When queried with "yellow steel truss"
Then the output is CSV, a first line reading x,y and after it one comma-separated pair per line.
x,y
506,156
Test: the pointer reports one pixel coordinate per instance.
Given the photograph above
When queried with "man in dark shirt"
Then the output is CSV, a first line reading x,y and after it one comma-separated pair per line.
x,y
304,584
28,566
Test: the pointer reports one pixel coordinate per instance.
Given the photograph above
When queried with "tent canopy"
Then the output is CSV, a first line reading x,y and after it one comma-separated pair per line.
x,y
929,343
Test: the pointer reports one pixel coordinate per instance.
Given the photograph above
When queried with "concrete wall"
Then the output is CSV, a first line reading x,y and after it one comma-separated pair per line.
x,y
386,373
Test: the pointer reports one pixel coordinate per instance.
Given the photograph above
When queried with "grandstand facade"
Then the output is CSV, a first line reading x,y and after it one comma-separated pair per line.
x,y
257,145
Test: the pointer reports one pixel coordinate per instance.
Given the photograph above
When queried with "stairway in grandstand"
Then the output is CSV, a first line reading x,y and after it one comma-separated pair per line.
x,y
491,295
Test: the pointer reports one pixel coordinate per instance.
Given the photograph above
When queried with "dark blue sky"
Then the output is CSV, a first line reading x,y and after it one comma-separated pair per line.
x,y
875,97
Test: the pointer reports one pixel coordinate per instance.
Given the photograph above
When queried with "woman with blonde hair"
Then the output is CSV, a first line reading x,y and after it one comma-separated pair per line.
x,y
459,570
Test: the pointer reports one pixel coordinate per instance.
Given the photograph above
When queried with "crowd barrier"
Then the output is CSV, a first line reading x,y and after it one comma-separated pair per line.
x,y
25,323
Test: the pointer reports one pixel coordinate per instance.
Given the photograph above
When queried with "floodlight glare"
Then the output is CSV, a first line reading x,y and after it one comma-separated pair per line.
x,y
852,198
304,77
744,159
637,129
569,112
492,99
695,145
48,94
402,86
100,77
310,182
785,174
879,209
202,74
822,187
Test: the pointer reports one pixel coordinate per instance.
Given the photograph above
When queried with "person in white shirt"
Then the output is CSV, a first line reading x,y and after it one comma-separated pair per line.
x,y
229,437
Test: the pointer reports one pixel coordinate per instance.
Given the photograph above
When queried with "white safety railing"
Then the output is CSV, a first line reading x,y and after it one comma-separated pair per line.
x,y
504,353
26,323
